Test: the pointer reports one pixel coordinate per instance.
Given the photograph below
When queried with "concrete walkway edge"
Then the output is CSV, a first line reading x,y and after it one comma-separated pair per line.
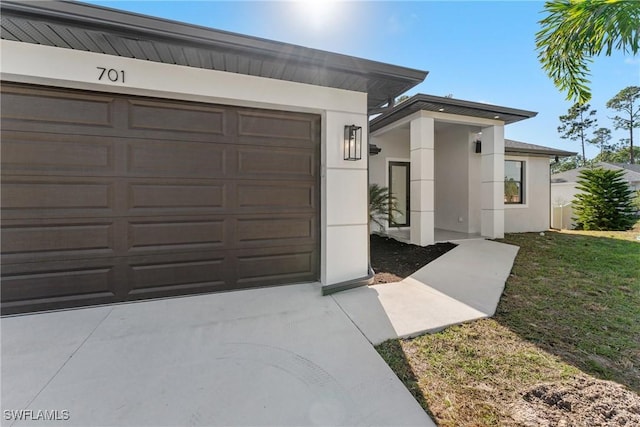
x,y
464,284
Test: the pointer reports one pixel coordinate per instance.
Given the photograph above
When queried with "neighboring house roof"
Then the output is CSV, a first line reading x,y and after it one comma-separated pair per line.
x,y
517,147
634,167
451,106
632,174
73,25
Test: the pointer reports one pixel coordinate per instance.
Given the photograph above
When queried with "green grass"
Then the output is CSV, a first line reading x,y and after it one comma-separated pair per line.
x,y
578,296
571,307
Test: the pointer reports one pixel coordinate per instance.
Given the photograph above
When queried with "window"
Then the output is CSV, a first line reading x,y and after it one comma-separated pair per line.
x,y
399,188
513,182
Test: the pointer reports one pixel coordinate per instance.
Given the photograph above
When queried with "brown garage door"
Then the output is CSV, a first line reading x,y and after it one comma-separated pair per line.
x,y
112,198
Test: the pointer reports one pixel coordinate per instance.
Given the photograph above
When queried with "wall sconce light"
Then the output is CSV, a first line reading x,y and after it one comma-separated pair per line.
x,y
478,146
352,142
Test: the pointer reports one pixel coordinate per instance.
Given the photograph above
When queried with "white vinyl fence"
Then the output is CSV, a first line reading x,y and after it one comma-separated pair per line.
x,y
561,216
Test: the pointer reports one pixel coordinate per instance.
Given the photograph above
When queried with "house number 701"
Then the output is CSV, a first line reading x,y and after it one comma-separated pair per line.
x,y
111,74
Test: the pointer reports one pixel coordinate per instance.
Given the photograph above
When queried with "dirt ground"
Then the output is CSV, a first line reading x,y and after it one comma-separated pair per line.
x,y
585,401
393,260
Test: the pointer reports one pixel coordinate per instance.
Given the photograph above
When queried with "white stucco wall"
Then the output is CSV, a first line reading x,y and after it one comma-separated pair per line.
x,y
344,229
533,215
452,156
395,147
563,193
475,187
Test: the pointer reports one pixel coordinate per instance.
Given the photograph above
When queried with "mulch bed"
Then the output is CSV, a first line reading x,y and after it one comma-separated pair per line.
x,y
393,260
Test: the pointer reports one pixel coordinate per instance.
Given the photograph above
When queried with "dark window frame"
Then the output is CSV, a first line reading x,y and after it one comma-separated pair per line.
x,y
407,165
521,197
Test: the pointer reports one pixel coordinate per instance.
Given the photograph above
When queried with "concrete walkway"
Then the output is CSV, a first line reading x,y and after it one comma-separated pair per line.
x,y
462,285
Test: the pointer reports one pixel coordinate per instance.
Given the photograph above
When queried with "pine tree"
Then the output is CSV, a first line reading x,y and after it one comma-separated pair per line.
x,y
576,123
626,103
601,138
606,201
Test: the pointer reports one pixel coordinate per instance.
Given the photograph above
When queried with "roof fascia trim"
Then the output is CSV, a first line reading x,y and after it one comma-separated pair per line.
x,y
399,108
551,152
476,105
132,23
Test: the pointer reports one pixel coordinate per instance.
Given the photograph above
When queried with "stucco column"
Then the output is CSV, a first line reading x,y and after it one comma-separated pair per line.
x,y
492,204
345,219
422,153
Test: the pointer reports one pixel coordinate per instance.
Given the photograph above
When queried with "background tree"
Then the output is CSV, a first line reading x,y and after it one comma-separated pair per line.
x,y
601,138
401,98
565,164
576,124
511,190
617,153
606,201
573,32
625,102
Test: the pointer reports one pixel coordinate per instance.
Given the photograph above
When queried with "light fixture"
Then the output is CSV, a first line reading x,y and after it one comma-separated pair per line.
x,y
352,142
478,146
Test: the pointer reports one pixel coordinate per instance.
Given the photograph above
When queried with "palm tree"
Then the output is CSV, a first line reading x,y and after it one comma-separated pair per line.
x,y
577,30
381,205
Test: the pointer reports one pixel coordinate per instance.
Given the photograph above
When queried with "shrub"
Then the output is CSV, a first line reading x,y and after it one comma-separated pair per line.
x,y
606,201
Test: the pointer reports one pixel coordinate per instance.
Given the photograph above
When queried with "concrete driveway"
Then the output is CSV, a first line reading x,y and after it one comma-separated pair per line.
x,y
276,356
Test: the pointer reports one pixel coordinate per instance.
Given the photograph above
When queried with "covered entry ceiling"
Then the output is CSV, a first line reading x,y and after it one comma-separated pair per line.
x,y
110,198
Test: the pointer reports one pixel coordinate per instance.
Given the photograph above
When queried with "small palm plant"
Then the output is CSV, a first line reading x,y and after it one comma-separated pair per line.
x,y
382,205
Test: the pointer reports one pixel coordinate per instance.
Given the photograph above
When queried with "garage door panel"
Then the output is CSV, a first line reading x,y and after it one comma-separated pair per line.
x,y
289,129
176,234
173,197
275,196
177,117
176,159
186,273
59,283
275,230
36,154
38,197
285,265
48,285
56,111
269,162
22,242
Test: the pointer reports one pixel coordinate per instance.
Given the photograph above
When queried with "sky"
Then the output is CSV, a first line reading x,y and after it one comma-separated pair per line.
x,y
481,51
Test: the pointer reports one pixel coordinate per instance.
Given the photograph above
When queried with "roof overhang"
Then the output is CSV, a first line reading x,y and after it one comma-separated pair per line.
x,y
422,102
80,26
517,147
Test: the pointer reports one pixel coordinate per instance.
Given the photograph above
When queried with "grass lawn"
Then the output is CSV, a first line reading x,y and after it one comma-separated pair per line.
x,y
571,308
